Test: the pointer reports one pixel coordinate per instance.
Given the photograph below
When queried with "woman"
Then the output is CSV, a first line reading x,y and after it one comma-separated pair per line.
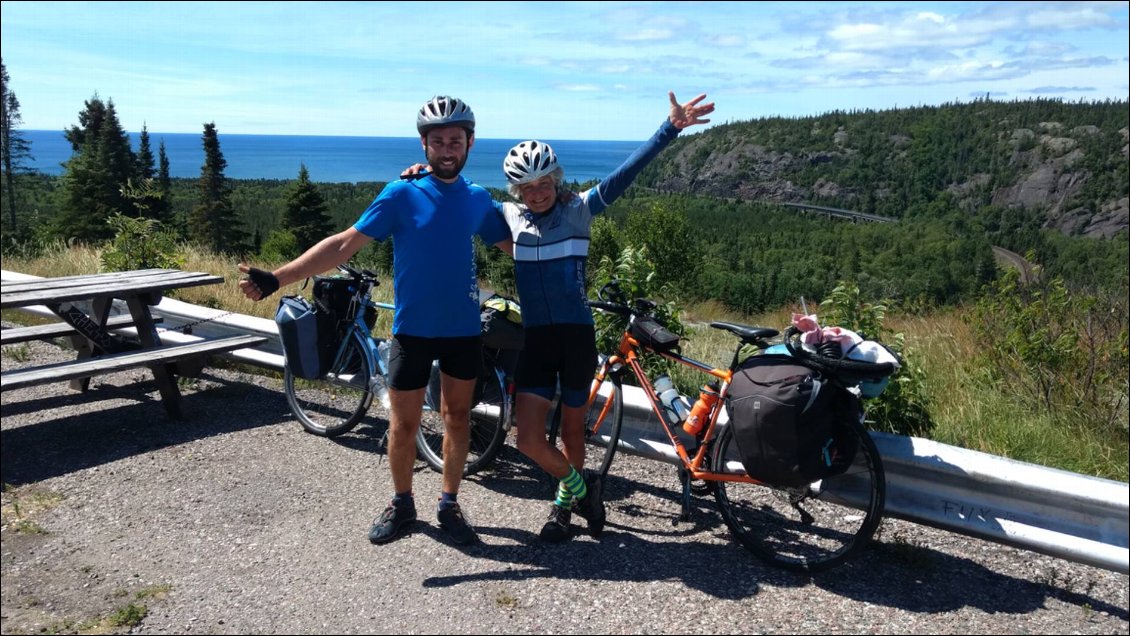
x,y
550,231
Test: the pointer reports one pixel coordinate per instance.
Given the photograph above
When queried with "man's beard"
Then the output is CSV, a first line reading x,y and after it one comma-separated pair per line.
x,y
444,172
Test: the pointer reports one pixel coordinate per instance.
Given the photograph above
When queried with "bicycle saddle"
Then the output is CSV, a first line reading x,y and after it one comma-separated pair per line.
x,y
746,332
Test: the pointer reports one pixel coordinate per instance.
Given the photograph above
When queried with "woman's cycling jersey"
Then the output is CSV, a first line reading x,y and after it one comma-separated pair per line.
x,y
552,248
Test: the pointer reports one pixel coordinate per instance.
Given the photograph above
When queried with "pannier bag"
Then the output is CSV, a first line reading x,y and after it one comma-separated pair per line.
x,y
311,332
501,319
790,423
334,296
298,325
648,332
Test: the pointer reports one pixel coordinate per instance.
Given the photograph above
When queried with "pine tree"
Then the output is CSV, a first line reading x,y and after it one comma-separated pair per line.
x,y
97,176
213,222
307,215
14,149
144,168
164,209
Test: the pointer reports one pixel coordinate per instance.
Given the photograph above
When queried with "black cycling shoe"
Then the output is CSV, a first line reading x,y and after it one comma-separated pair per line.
x,y
591,508
556,528
451,519
388,526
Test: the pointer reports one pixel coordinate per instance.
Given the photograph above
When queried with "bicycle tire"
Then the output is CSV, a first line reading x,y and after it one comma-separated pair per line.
x,y
602,426
335,403
846,510
488,431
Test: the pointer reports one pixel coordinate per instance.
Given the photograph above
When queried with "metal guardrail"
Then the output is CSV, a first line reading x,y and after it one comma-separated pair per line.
x,y
1067,515
1075,517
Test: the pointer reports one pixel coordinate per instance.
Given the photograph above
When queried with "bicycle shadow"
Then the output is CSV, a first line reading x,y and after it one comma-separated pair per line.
x,y
119,421
928,581
644,541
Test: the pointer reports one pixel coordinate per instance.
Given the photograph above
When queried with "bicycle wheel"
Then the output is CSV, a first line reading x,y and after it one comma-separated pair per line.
x,y
336,402
808,528
488,431
603,420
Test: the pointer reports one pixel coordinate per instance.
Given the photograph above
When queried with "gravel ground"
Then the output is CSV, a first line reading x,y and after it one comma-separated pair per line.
x,y
235,521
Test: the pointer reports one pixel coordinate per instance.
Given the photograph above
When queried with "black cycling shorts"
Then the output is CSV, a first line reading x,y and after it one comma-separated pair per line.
x,y
565,353
410,359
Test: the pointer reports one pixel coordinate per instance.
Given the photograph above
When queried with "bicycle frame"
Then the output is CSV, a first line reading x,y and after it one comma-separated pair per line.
x,y
693,461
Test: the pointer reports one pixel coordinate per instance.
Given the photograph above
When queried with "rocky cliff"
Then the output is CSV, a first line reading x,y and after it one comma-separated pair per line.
x,y
1043,169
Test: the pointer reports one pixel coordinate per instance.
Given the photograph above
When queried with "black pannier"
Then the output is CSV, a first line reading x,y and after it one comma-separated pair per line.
x,y
334,296
501,320
791,423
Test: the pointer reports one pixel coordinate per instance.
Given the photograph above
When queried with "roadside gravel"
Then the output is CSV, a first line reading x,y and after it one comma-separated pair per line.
x,y
235,521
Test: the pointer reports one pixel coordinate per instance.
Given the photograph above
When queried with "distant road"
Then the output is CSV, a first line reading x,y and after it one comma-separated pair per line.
x,y
844,214
1012,259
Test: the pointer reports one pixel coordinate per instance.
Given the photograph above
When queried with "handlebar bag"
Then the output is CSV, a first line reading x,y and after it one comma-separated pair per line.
x,y
334,296
303,346
790,423
648,332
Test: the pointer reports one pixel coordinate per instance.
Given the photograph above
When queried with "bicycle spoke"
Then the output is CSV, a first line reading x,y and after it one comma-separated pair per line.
x,y
334,404
808,528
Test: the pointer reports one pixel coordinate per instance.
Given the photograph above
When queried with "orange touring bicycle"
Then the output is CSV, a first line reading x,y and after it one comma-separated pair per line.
x,y
807,528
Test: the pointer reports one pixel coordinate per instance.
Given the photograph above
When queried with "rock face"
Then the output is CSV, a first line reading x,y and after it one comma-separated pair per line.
x,y
1042,169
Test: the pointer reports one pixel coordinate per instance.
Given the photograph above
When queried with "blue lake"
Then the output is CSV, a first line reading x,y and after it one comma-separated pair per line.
x,y
337,159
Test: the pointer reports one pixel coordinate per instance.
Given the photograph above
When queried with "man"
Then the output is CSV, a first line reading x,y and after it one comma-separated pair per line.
x,y
432,221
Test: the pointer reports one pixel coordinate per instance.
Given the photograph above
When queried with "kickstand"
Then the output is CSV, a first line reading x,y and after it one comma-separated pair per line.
x,y
805,518
685,481
382,444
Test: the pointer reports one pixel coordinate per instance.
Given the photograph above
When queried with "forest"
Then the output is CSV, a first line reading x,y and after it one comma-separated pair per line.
x,y
714,224
708,209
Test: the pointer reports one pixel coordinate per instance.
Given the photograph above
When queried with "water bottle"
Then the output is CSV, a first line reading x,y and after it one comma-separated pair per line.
x,y
700,412
675,406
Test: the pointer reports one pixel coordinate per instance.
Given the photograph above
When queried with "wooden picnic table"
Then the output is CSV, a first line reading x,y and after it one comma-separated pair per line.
x,y
99,350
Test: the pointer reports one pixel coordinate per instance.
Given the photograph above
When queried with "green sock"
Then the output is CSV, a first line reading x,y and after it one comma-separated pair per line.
x,y
575,484
564,497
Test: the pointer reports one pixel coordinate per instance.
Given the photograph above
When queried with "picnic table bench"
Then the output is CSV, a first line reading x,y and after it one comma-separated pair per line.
x,y
99,350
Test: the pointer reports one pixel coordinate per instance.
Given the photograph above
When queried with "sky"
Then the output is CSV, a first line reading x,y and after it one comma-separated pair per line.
x,y
550,70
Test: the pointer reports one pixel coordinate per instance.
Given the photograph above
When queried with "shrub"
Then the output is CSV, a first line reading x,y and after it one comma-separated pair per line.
x,y
140,244
903,408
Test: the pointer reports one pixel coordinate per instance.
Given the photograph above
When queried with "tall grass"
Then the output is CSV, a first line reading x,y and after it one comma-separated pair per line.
x,y
967,410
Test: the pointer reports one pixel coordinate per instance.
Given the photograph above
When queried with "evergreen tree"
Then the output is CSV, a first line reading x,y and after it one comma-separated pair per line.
x,y
213,222
14,149
144,167
306,215
97,176
147,199
164,209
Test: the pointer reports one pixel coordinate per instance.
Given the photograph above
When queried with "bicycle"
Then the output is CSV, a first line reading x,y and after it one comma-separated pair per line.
x,y
810,528
335,403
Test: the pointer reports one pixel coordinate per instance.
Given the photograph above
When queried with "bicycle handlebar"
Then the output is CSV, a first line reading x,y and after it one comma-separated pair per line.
x,y
363,275
610,307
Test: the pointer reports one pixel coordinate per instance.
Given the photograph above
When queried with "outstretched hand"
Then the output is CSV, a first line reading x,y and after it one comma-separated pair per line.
x,y
259,283
690,113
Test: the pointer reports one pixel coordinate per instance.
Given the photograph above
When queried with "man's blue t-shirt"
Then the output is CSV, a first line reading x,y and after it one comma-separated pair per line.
x,y
431,223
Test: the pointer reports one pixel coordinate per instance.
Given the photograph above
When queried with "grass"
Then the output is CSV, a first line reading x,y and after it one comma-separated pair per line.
x,y
18,506
968,412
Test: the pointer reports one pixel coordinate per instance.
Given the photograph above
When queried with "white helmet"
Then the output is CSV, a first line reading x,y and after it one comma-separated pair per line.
x,y
528,161
442,110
